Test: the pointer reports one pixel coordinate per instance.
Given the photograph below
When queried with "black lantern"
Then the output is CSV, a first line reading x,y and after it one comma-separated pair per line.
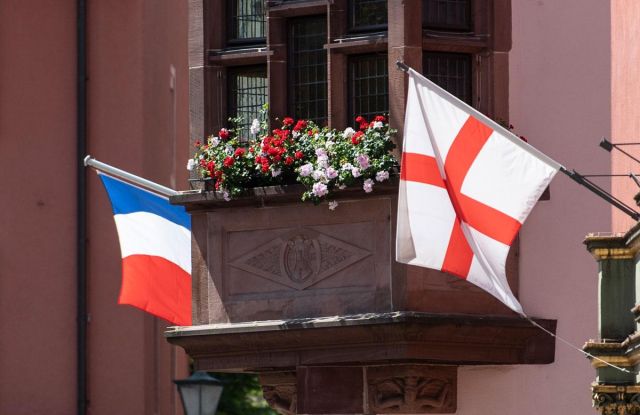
x,y
200,393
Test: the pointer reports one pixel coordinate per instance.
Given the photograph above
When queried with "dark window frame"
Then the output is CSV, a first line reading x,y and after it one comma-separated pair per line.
x,y
232,40
467,27
361,28
460,57
292,66
351,98
231,98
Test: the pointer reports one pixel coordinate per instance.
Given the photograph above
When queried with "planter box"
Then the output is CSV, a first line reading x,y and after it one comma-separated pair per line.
x,y
270,256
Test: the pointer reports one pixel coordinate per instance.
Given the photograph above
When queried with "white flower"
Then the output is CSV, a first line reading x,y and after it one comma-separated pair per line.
x,y
363,160
318,175
329,144
276,172
355,172
333,205
331,173
214,141
225,195
321,152
377,124
381,176
191,164
323,162
306,169
228,149
295,134
347,166
368,185
342,186
255,126
348,132
320,189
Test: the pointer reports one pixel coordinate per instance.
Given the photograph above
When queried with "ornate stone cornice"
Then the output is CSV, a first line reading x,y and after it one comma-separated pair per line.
x,y
609,246
616,400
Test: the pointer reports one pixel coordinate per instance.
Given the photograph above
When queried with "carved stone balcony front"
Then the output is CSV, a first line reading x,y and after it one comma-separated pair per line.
x,y
307,297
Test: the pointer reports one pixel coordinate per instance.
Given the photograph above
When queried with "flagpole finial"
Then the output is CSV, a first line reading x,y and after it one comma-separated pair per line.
x,y
402,66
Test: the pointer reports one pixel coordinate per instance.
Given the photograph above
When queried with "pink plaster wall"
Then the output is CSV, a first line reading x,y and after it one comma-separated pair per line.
x,y
131,45
559,99
625,98
37,218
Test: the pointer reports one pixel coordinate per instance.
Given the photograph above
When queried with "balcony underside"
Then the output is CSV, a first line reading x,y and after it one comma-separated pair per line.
x,y
366,339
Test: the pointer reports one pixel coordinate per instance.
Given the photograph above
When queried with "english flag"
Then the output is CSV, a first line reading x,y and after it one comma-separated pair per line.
x,y
155,241
466,186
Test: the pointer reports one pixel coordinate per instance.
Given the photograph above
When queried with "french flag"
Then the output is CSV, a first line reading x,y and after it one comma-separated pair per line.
x,y
155,241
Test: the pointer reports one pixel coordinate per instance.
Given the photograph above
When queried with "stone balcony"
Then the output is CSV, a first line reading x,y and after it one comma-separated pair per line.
x,y
313,301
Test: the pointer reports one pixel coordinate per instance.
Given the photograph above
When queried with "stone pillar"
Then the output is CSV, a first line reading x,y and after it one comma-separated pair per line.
x,y
405,44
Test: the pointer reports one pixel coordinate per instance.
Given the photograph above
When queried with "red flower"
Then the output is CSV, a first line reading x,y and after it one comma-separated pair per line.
x,y
355,139
300,125
265,167
360,119
251,150
299,155
218,183
272,151
197,143
240,152
288,161
218,173
277,157
287,121
228,161
223,134
364,125
310,133
380,118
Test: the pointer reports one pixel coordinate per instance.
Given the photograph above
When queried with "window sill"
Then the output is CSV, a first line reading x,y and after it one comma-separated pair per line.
x,y
296,8
359,44
246,56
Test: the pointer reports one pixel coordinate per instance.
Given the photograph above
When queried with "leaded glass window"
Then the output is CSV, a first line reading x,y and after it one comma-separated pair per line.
x,y
368,14
452,15
247,21
308,68
451,71
247,93
368,85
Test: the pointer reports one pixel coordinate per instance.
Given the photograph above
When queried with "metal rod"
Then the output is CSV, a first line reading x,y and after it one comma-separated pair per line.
x,y
578,178
402,66
98,165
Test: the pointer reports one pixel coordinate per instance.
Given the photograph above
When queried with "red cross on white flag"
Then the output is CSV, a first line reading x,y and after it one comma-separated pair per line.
x,y
466,186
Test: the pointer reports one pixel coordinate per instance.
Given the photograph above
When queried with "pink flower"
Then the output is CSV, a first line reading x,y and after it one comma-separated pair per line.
x,y
363,161
368,186
319,189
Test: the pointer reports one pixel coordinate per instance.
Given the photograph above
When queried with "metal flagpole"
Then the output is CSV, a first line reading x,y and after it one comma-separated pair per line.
x,y
98,165
578,178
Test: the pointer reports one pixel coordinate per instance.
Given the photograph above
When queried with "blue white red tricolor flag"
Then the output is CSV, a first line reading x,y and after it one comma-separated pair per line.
x,y
466,186
155,241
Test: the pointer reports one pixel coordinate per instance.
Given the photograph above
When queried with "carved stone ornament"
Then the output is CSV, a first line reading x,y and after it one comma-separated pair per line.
x,y
411,394
300,258
616,400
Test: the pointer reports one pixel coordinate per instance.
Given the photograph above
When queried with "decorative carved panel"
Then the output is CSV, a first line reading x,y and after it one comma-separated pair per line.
x,y
300,258
412,389
279,390
616,400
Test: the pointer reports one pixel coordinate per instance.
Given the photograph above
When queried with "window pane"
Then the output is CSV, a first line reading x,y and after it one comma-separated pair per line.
x,y
447,14
247,94
368,86
451,71
247,20
308,68
368,14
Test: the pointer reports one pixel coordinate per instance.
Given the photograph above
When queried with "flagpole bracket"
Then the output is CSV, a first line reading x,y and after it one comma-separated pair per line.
x,y
402,66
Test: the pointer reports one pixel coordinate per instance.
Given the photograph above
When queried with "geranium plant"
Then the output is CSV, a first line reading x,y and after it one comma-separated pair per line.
x,y
322,159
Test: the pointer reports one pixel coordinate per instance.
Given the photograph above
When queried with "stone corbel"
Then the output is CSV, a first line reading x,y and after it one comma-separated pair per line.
x,y
616,400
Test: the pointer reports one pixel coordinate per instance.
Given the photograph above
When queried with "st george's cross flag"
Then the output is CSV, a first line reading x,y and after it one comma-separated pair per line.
x,y
155,242
466,186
